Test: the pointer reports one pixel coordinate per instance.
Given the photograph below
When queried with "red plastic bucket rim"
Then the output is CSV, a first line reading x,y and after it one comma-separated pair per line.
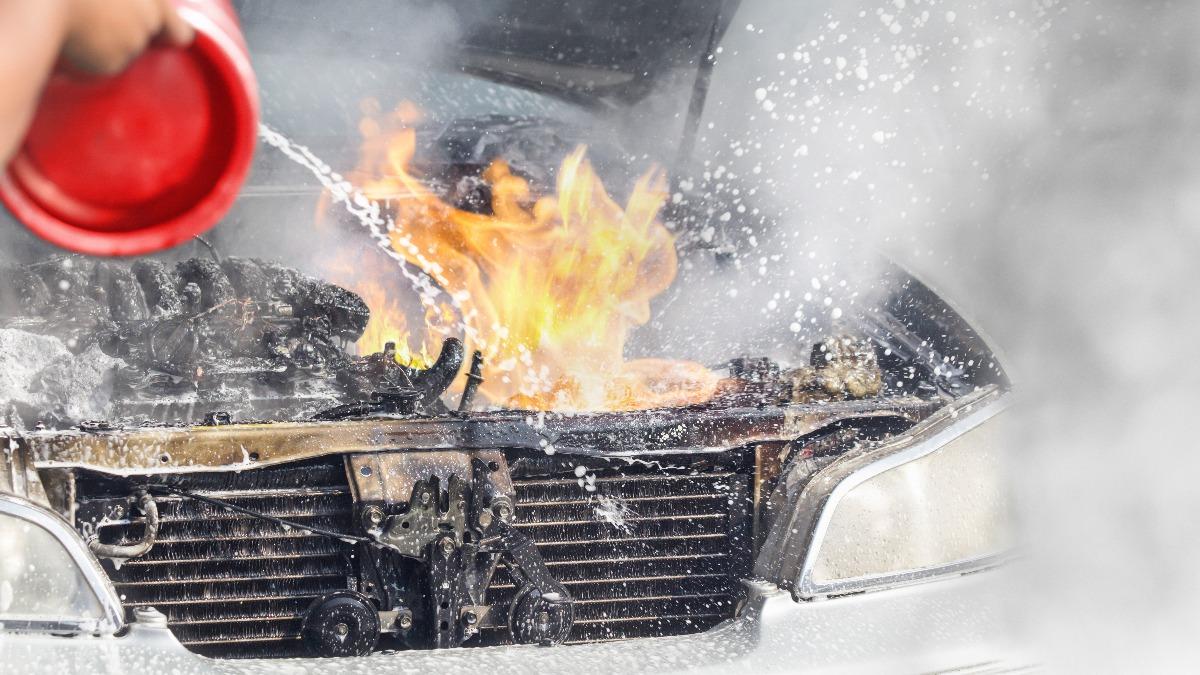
x,y
228,57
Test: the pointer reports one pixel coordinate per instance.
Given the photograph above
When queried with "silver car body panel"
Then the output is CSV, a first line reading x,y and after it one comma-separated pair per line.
x,y
953,623
113,616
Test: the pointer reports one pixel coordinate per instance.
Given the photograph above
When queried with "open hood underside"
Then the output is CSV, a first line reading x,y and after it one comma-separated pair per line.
x,y
597,53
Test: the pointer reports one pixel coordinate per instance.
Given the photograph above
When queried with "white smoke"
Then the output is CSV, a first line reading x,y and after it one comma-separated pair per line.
x,y
1037,162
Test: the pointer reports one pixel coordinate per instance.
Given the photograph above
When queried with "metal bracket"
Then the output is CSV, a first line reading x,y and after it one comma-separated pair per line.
x,y
451,510
433,515
407,500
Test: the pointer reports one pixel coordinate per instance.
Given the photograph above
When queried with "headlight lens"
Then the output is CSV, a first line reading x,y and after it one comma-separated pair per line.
x,y
40,583
936,504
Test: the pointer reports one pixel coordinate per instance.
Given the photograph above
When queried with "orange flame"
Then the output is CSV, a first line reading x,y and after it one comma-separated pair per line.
x,y
548,287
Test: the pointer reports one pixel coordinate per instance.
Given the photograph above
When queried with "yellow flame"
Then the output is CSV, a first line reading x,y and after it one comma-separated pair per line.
x,y
547,287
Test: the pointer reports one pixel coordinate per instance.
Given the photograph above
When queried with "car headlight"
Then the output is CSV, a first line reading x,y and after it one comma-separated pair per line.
x,y
48,580
931,502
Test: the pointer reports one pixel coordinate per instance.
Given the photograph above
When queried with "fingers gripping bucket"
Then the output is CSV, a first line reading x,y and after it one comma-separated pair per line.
x,y
149,158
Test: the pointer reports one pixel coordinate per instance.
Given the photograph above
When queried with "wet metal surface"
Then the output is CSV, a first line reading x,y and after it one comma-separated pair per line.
x,y
243,446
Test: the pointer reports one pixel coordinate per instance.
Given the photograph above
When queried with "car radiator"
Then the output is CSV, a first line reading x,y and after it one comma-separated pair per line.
x,y
645,552
644,549
233,585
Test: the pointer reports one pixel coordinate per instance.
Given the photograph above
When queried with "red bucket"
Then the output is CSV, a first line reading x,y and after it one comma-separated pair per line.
x,y
145,160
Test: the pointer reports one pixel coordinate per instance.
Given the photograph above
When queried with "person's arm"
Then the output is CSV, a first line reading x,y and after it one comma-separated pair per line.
x,y
31,34
96,36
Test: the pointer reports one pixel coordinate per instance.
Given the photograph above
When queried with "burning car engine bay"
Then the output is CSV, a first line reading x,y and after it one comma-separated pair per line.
x,y
395,522
381,507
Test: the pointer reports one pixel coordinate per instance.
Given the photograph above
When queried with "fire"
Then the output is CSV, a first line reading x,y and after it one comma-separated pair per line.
x,y
547,287
389,323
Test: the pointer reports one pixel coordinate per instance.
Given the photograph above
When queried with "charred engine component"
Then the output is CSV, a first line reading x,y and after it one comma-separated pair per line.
x,y
450,514
930,370
431,516
511,547
841,367
391,401
192,314
532,147
408,390
756,378
145,502
254,338
436,379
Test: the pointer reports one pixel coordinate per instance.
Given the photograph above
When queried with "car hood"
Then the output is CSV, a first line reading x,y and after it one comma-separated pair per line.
x,y
603,54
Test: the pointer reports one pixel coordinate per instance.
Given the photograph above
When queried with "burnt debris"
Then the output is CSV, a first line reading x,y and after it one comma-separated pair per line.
x,y
250,337
841,368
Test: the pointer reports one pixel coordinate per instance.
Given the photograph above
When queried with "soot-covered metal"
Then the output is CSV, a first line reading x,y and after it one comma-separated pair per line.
x,y
431,532
241,336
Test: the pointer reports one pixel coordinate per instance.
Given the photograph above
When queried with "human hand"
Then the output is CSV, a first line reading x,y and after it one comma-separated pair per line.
x,y
103,36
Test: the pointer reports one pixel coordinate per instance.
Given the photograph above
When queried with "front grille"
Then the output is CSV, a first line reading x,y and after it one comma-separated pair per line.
x,y
649,552
652,549
236,585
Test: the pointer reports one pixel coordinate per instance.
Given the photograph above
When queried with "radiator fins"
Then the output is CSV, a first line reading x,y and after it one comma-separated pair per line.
x,y
233,585
644,554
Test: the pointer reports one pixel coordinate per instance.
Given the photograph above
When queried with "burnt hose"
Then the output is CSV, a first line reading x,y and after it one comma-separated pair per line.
x,y
436,379
125,551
